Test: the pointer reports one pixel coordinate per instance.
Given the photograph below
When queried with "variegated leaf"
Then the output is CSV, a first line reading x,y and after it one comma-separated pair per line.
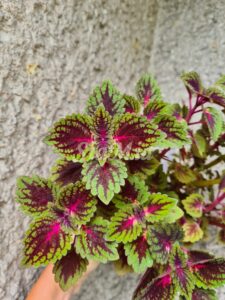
x,y
66,171
193,205
134,135
107,95
77,203
147,89
34,194
93,244
45,242
69,269
104,181
72,137
138,254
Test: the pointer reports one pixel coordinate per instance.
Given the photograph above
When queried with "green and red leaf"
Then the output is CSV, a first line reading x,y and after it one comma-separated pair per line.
x,y
78,204
34,194
194,205
66,171
45,242
107,95
102,130
134,135
182,276
142,167
71,137
216,95
126,225
161,239
192,231
175,131
134,192
215,122
201,294
69,269
221,82
132,105
156,108
192,82
209,274
184,174
153,287
148,90
138,254
158,206
93,244
104,181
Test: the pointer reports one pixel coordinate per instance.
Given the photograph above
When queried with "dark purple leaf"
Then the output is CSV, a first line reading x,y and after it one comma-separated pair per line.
x,y
69,269
34,194
71,136
134,135
65,172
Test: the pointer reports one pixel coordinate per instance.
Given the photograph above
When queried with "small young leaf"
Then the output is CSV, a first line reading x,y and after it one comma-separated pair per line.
x,y
143,168
134,135
138,254
214,121
158,206
155,108
192,82
134,192
34,194
71,137
199,145
175,131
147,89
45,242
184,174
152,287
77,203
216,95
209,274
69,269
193,205
107,95
102,130
161,239
125,226
65,172
221,82
132,105
104,181
182,276
92,242
192,232
201,294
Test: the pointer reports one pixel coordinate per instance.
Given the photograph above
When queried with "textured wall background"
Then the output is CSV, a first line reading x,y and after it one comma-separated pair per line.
x,y
51,54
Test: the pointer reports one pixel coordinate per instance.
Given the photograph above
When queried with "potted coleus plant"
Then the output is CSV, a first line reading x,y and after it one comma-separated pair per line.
x,y
118,193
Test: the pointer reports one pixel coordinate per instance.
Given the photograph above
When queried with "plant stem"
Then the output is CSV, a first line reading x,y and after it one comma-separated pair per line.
x,y
206,183
214,162
216,222
217,201
194,123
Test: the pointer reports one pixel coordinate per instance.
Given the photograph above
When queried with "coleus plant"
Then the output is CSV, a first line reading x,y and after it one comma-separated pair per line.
x,y
137,183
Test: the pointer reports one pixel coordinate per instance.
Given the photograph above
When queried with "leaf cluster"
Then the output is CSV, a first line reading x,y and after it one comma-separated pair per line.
x,y
136,183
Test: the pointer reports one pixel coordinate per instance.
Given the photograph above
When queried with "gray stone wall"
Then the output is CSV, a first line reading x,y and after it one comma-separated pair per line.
x,y
52,53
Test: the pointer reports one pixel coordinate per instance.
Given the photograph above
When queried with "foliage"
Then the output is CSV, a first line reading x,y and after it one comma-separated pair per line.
x,y
137,183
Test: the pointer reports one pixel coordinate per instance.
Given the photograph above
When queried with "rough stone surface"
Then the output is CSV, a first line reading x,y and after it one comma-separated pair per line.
x,y
52,53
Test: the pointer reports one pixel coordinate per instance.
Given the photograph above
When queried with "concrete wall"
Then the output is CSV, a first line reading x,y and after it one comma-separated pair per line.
x,y
51,54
